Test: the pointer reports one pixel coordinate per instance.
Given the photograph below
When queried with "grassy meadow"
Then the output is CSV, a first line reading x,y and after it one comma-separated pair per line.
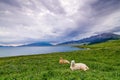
x,y
103,59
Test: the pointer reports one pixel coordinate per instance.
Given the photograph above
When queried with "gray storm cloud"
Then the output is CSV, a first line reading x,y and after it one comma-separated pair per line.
x,y
56,20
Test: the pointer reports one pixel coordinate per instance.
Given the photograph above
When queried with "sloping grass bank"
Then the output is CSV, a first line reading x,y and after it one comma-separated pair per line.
x,y
103,60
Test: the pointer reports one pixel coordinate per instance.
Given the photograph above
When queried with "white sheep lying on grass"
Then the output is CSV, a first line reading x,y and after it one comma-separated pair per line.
x,y
63,61
78,66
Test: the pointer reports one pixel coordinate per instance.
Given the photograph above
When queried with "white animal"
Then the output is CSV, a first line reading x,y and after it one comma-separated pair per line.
x,y
78,66
63,61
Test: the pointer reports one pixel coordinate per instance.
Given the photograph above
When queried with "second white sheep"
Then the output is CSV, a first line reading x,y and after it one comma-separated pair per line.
x,y
78,66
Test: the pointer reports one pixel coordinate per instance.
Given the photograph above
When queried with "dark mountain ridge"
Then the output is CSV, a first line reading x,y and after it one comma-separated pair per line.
x,y
94,39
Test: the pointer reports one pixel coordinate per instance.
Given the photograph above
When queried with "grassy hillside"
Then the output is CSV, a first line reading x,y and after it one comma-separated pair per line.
x,y
103,60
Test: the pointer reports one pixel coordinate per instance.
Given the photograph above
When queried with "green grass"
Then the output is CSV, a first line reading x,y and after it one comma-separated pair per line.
x,y
103,60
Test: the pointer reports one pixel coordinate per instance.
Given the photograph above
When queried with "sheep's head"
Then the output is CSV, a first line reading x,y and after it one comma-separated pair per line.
x,y
72,63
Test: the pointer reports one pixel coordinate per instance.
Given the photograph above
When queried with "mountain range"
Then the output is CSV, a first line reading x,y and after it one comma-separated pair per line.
x,y
90,40
94,39
38,44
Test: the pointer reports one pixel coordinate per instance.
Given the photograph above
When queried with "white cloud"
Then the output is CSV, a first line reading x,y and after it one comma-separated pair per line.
x,y
52,20
70,6
107,23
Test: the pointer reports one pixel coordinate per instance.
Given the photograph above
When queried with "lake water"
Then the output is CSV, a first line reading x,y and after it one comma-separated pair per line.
x,y
18,51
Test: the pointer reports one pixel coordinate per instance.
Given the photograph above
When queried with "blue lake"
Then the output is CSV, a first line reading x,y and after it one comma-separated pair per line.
x,y
18,51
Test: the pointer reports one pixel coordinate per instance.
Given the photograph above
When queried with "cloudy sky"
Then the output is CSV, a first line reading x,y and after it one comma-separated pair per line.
x,y
27,21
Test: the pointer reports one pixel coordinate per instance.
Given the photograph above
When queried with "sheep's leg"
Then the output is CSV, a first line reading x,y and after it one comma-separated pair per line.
x,y
86,69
